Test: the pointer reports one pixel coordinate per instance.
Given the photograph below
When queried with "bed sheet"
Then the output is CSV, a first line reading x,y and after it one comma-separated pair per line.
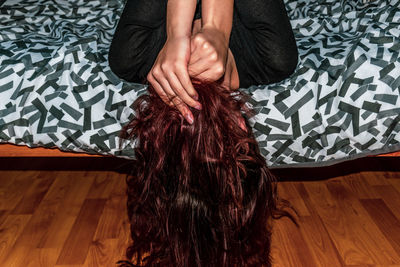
x,y
342,102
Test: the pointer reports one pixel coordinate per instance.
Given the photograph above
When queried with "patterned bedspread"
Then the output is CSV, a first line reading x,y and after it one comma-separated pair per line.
x,y
56,88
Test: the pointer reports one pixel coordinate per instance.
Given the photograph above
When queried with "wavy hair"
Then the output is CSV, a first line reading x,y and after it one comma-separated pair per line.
x,y
199,194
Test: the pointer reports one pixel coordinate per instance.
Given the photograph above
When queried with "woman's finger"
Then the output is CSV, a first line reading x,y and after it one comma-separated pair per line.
x,y
202,51
242,123
195,56
208,69
159,90
184,78
196,45
199,67
178,103
210,75
201,54
178,88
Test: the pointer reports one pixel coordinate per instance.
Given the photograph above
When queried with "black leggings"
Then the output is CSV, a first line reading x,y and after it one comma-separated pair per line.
x,y
261,40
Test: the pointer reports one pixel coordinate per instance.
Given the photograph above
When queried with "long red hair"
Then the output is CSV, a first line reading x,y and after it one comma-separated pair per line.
x,y
199,194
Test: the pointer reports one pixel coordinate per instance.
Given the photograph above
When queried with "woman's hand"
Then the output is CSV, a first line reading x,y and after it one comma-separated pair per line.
x,y
211,59
170,78
209,52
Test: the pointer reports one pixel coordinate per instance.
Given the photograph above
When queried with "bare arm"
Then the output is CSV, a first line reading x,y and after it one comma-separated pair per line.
x,y
169,74
180,15
217,15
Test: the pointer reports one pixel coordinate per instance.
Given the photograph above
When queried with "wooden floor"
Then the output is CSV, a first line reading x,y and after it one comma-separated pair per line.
x,y
78,218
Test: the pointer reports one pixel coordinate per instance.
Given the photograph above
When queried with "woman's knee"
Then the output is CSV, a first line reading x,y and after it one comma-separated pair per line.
x,y
148,13
139,35
118,58
278,58
133,51
129,64
283,63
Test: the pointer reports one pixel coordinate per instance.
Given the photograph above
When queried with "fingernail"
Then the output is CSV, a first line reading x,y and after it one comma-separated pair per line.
x,y
196,97
189,118
198,106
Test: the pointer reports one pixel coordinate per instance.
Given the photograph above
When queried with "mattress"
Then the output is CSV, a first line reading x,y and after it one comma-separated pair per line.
x,y
342,102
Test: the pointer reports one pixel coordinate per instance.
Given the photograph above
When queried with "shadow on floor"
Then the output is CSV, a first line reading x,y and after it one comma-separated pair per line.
x,y
123,166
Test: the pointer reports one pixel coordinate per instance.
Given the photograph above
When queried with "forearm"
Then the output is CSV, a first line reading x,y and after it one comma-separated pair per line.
x,y
218,14
180,15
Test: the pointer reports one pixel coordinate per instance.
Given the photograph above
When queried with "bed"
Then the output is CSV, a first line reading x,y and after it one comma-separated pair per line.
x,y
342,102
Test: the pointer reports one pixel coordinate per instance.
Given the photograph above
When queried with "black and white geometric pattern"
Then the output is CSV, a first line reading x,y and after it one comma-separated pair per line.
x,y
56,88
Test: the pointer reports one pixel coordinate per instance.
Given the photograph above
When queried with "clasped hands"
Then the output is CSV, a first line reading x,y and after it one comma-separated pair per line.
x,y
205,56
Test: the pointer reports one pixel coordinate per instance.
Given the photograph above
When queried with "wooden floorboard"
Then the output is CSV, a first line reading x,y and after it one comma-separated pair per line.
x,y
78,218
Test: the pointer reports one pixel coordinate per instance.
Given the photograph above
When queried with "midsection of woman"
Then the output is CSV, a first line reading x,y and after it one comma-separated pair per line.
x,y
241,43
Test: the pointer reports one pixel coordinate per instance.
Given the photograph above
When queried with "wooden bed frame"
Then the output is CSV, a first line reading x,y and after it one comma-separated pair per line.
x,y
11,150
